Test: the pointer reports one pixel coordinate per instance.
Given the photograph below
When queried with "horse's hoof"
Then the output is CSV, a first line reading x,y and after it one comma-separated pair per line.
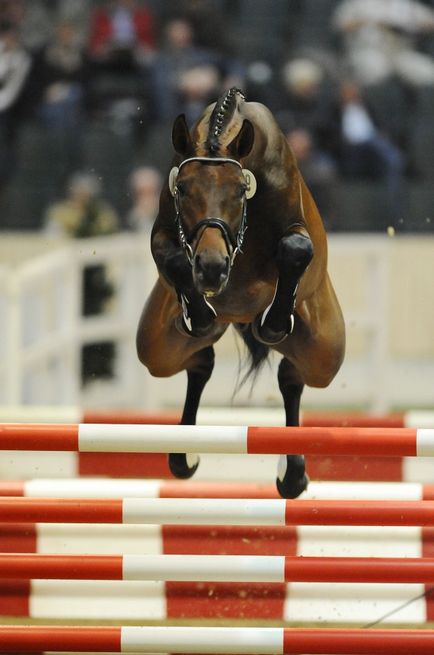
x,y
290,488
266,335
183,465
291,478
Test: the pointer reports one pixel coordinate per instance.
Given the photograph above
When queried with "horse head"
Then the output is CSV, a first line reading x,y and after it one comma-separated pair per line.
x,y
210,195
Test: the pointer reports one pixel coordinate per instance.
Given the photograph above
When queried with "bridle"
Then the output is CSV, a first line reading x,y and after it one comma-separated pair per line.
x,y
233,243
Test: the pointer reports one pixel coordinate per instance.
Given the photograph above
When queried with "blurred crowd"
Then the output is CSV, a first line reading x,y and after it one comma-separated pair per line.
x,y
85,85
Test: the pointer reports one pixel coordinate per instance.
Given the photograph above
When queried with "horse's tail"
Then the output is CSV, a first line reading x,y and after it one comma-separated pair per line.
x,y
257,352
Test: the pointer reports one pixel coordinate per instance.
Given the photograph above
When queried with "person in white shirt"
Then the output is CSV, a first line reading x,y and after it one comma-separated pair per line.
x,y
380,40
15,66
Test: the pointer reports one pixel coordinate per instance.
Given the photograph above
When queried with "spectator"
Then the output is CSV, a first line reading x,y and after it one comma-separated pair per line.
x,y
78,13
366,151
207,19
307,101
83,213
63,70
15,66
32,19
379,40
179,55
121,47
198,87
145,185
319,172
122,34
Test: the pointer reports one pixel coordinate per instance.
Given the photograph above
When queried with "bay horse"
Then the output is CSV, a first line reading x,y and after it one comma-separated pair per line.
x,y
239,240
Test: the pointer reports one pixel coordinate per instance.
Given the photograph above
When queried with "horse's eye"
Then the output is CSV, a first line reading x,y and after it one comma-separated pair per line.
x,y
243,190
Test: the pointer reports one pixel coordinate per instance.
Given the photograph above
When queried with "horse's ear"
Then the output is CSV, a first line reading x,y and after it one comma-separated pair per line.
x,y
181,138
243,142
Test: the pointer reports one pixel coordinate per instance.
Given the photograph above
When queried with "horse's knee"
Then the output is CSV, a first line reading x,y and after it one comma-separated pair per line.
x,y
157,365
324,373
296,251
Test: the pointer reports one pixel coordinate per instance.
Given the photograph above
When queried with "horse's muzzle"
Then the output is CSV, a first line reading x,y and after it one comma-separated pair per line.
x,y
210,272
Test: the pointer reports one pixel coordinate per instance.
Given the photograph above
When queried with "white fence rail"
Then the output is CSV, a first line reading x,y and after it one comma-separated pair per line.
x,y
41,306
44,332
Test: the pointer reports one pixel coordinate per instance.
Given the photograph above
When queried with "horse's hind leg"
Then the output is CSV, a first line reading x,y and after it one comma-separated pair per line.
x,y
184,465
291,478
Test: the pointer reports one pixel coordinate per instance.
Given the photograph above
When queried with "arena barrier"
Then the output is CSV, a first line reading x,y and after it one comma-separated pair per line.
x,y
152,465
211,511
121,438
135,488
267,641
274,600
215,416
219,568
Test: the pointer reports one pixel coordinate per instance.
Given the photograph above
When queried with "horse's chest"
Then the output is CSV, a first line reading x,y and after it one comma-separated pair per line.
x,y
243,303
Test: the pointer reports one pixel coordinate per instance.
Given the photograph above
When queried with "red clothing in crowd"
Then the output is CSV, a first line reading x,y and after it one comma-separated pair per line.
x,y
102,29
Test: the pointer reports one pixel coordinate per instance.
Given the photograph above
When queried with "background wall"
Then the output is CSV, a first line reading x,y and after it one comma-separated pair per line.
x,y
384,285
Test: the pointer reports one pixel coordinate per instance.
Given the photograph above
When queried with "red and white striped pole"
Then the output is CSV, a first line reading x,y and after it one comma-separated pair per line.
x,y
380,442
213,640
139,488
210,511
217,568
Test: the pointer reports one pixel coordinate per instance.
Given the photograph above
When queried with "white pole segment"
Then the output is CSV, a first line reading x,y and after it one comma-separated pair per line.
x,y
363,491
93,437
425,442
419,419
91,488
259,641
200,568
207,511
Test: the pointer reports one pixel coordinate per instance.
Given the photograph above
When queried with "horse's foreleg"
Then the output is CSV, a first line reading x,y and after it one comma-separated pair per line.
x,y
198,316
198,373
291,477
294,253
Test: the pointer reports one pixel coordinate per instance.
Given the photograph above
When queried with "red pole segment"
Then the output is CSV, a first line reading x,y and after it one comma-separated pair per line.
x,y
344,420
359,569
361,512
59,510
131,417
26,639
329,641
378,442
187,489
24,566
38,436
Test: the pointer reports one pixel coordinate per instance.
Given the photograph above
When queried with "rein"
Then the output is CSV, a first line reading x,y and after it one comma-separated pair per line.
x,y
233,243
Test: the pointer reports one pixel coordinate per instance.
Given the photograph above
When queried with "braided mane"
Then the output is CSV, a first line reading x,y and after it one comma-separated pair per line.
x,y
220,117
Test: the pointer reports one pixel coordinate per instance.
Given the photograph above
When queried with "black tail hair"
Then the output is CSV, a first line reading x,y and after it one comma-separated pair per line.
x,y
257,352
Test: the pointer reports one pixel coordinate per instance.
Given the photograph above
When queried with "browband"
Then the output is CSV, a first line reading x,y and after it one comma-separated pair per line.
x,y
211,160
248,175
